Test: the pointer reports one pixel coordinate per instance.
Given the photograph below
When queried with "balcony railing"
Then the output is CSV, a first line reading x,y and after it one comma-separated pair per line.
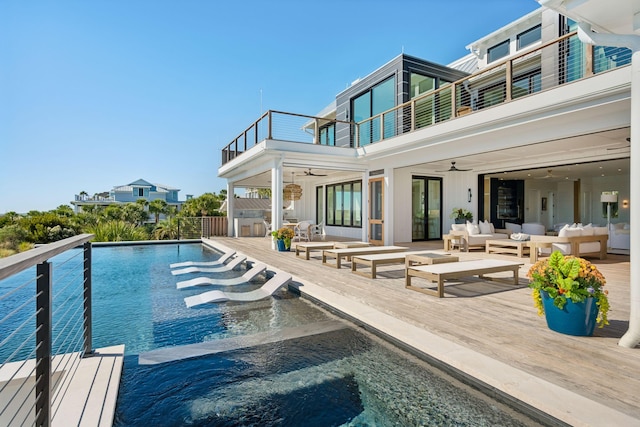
x,y
541,68
45,328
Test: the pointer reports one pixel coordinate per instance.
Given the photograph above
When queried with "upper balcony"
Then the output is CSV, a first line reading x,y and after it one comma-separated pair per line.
x,y
542,68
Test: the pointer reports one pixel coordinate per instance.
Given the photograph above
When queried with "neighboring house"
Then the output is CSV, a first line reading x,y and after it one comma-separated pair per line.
x,y
536,122
129,193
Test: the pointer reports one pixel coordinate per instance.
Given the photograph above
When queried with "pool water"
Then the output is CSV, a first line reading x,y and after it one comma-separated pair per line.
x,y
306,368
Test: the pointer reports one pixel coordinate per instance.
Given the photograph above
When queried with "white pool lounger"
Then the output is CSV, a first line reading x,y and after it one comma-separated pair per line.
x,y
225,267
223,258
257,268
276,282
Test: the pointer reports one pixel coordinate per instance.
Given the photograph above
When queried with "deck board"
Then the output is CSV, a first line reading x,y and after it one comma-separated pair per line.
x,y
492,318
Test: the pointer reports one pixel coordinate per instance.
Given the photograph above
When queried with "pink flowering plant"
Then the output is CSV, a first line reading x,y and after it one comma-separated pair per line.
x,y
568,277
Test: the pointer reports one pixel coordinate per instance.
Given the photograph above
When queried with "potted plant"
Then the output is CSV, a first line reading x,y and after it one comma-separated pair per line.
x,y
283,237
461,215
569,291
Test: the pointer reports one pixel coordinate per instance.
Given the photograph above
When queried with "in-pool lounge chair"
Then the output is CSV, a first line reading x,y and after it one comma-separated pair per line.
x,y
223,258
251,274
269,288
224,267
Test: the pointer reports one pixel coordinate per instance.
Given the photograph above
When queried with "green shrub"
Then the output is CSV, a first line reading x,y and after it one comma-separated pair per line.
x,y
117,231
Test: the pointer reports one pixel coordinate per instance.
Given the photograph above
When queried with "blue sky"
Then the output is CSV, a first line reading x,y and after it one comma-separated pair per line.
x,y
95,94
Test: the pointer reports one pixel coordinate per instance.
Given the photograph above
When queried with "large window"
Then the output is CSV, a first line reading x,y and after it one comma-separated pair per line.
x,y
530,36
328,135
376,100
526,84
421,84
344,204
498,51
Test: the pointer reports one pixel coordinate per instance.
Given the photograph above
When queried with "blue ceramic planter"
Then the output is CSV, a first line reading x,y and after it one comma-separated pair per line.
x,y
281,246
577,319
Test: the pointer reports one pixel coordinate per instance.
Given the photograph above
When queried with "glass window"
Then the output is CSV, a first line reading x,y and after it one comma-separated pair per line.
x,y
606,58
420,84
525,85
530,36
378,99
344,204
498,51
328,135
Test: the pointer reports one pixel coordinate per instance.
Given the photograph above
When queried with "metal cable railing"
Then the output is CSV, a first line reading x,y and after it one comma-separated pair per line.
x,y
540,68
46,329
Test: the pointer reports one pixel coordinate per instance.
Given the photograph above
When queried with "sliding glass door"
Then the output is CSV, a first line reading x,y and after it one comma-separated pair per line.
x,y
426,208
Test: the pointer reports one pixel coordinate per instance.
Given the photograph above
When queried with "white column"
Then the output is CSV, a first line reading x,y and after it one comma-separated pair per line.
x,y
632,337
230,210
276,198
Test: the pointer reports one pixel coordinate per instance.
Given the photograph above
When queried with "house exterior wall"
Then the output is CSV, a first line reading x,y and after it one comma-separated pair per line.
x,y
401,68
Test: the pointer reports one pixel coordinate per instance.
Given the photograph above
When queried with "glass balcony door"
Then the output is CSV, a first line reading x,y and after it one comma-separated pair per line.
x,y
426,208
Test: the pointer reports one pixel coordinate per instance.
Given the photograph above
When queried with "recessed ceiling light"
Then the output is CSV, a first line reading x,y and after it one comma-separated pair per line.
x,y
602,175
619,169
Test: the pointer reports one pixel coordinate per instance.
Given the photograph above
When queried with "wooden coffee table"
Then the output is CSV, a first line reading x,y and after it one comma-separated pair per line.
x,y
507,246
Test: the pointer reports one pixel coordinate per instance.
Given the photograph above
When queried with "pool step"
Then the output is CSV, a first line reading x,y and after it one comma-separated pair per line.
x,y
170,354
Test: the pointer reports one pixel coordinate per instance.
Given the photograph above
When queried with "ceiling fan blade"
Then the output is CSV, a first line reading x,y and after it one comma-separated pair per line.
x,y
453,168
309,173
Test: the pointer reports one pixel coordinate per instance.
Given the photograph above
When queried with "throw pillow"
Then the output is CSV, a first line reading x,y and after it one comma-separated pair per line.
x,y
485,227
458,227
472,229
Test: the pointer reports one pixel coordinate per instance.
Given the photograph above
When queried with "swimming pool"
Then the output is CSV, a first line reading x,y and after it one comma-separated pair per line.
x,y
286,361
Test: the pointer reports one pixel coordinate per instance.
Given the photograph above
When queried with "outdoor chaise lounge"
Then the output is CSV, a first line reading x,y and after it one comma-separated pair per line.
x,y
272,285
257,268
225,267
339,253
374,260
223,258
306,248
455,270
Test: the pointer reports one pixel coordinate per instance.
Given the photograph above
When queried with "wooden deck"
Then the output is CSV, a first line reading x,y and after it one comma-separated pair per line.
x,y
492,318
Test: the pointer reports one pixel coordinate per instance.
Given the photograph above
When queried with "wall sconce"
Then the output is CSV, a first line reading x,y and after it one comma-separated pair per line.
x,y
625,204
469,195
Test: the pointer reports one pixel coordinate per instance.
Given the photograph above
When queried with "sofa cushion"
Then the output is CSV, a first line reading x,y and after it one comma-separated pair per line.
x,y
599,230
569,232
458,227
472,229
514,228
485,227
534,228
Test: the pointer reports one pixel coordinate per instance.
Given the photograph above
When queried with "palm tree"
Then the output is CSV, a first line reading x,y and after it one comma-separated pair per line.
x,y
157,207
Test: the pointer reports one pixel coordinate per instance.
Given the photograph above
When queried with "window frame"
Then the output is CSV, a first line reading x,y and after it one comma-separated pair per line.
x,y
506,42
335,212
520,46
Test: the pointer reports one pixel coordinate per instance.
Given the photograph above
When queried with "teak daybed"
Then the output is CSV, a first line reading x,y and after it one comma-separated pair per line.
x,y
454,270
306,248
374,260
339,253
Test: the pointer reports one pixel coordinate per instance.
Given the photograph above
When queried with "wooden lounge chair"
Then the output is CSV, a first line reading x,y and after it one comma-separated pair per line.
x,y
374,260
454,270
339,253
251,274
225,267
306,248
276,282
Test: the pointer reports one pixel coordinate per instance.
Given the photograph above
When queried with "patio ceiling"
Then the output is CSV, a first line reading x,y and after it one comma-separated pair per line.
x,y
611,16
584,156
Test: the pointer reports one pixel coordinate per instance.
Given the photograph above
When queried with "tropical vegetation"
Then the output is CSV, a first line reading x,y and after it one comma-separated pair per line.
x,y
116,222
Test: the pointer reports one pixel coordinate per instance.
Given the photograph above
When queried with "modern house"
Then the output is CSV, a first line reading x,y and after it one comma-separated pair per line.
x,y
533,125
132,192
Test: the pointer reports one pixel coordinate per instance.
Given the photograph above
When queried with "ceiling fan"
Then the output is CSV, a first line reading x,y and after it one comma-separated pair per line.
x,y
309,173
453,168
548,175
